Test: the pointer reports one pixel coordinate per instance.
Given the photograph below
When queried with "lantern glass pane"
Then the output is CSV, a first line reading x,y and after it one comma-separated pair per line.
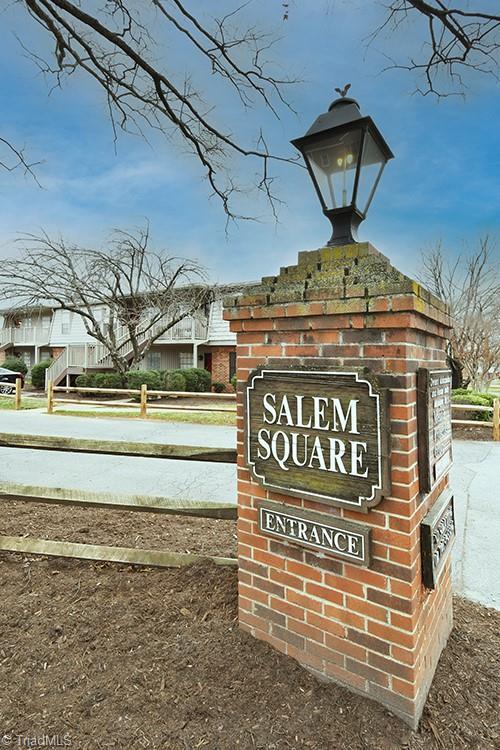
x,y
333,163
372,163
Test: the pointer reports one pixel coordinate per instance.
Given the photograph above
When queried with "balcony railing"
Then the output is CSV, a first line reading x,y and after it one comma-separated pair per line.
x,y
190,329
29,335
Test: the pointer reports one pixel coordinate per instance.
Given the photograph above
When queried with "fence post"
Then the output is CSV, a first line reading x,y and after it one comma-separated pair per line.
x,y
496,419
50,397
144,400
17,403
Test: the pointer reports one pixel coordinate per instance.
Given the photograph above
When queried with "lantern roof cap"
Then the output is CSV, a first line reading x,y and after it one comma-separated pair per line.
x,y
340,112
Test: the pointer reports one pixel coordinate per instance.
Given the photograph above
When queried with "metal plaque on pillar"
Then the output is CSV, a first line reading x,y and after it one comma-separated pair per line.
x,y
438,533
319,434
434,425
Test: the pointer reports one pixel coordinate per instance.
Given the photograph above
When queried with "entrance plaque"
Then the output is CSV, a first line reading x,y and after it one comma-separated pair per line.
x,y
316,434
333,536
437,536
434,425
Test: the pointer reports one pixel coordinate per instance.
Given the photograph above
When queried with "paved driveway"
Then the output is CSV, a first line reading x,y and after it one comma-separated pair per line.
x,y
132,430
173,479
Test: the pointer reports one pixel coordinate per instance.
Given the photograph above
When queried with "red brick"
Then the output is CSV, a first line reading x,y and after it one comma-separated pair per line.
x,y
341,583
402,654
305,629
345,646
286,579
389,634
269,586
304,601
391,667
371,674
329,626
327,594
368,577
306,571
254,594
404,688
268,559
287,608
346,616
366,608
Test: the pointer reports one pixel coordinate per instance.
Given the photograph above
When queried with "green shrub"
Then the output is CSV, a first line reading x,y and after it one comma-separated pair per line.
x,y
218,387
106,380
459,392
174,380
81,381
474,399
489,397
16,364
136,378
234,382
38,373
191,379
198,380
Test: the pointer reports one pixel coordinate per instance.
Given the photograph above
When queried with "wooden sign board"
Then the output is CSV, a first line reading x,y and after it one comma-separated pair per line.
x,y
318,434
437,533
434,425
333,536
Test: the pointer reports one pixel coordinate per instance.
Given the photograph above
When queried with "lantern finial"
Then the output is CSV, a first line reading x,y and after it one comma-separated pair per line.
x,y
343,92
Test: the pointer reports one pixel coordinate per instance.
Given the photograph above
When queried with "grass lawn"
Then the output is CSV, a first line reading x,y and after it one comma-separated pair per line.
x,y
27,403
193,417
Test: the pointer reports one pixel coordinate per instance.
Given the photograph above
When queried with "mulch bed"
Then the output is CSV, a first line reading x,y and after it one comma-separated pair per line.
x,y
119,528
119,657
472,433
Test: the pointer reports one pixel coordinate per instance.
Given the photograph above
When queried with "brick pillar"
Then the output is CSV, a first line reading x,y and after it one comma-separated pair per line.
x,y
376,630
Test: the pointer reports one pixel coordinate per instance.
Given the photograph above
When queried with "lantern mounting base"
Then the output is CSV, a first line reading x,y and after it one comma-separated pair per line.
x,y
345,223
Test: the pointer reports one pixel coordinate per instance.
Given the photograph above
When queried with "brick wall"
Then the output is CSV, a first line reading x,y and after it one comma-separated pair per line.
x,y
220,363
376,630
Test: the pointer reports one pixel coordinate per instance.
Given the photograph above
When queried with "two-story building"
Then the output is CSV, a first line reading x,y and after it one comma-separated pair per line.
x,y
200,340
25,333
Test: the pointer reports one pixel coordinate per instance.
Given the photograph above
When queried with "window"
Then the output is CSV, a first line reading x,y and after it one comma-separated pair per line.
x,y
185,360
153,361
65,321
232,364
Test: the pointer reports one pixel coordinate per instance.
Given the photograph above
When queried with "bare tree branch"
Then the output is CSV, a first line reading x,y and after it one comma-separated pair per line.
x,y
456,39
115,47
127,295
15,158
471,287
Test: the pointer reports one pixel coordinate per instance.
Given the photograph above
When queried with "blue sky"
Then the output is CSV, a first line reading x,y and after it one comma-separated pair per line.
x,y
443,184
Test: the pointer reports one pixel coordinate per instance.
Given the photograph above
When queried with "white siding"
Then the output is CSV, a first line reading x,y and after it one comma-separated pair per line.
x,y
68,328
218,328
170,358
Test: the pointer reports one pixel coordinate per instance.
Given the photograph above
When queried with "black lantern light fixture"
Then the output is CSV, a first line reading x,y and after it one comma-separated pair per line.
x,y
345,155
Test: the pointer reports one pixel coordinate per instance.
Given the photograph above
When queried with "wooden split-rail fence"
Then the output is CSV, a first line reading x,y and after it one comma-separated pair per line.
x,y
105,553
216,402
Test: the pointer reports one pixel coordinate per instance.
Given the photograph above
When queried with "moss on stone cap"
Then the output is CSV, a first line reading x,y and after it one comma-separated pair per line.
x,y
356,270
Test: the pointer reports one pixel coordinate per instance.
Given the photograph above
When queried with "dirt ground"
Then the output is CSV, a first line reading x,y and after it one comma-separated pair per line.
x,y
472,433
110,656
120,528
